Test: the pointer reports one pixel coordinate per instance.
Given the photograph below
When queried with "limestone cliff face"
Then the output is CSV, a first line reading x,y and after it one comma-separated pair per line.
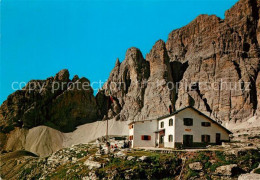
x,y
157,96
221,51
61,103
127,85
258,94
217,59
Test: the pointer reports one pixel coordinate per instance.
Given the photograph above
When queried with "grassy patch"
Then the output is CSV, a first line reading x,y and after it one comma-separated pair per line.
x,y
157,166
257,171
190,174
81,154
27,171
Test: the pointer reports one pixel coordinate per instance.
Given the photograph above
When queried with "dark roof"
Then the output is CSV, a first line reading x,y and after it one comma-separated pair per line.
x,y
175,112
200,113
133,122
159,130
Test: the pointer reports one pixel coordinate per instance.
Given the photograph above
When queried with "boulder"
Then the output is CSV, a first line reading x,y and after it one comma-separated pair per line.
x,y
197,166
74,159
92,164
249,176
143,158
91,176
237,151
227,170
130,158
120,154
213,161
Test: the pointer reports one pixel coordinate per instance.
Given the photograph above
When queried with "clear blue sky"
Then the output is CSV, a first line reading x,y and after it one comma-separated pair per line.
x,y
39,38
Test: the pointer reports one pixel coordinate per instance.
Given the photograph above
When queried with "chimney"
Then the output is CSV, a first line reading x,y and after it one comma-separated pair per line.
x,y
170,109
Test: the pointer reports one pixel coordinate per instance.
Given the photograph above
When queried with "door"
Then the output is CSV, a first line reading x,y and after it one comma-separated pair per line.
x,y
218,139
187,140
161,141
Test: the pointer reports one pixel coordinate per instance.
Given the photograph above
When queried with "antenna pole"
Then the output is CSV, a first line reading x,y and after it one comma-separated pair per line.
x,y
107,130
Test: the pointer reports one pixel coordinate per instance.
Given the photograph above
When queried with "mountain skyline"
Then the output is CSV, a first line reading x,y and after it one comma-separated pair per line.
x,y
37,41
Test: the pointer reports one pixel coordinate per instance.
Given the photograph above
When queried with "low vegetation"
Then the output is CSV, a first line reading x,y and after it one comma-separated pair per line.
x,y
69,163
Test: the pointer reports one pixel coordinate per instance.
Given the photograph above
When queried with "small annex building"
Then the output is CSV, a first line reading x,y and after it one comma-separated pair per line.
x,y
187,127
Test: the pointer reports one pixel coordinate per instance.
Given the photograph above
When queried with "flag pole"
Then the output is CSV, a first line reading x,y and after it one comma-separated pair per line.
x,y
107,130
108,144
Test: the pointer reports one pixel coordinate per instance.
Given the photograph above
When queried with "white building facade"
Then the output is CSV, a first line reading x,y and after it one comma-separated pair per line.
x,y
140,133
185,128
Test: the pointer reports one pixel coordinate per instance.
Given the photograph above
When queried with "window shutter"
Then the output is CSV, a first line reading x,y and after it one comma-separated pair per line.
x,y
149,137
142,137
131,138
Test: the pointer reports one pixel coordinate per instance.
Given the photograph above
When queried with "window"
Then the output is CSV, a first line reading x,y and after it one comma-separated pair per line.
x,y
170,122
146,137
205,138
130,137
170,138
188,121
162,124
206,124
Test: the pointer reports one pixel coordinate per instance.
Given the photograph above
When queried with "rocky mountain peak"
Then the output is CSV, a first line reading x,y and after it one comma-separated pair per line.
x,y
208,50
157,49
243,9
56,102
117,62
134,57
204,19
158,58
75,78
62,75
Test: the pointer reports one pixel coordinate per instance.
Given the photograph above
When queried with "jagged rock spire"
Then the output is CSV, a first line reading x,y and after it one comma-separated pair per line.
x,y
117,62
